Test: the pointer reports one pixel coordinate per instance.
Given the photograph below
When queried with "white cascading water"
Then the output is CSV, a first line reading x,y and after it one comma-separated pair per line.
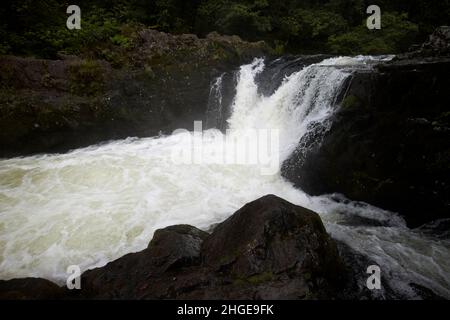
x,y
215,107
93,205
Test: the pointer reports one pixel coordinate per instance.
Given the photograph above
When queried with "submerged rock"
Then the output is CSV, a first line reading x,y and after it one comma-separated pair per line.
x,y
133,276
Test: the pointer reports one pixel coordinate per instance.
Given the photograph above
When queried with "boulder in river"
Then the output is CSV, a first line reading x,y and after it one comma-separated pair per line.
x,y
269,249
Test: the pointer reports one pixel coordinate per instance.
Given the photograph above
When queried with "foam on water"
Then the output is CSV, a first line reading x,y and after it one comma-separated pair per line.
x,y
93,205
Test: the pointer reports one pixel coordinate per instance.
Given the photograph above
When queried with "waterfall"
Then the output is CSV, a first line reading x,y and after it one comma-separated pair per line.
x,y
214,112
304,100
96,204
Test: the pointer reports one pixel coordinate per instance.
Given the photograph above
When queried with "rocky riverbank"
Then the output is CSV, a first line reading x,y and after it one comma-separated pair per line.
x,y
389,143
160,84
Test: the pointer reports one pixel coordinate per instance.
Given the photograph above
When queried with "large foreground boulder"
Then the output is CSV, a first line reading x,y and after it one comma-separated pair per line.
x,y
272,236
269,249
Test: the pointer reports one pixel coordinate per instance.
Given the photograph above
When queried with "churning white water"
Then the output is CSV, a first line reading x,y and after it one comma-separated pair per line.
x,y
93,205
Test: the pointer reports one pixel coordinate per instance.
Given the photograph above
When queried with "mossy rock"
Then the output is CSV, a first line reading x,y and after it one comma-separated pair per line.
x,y
351,102
7,76
86,78
256,279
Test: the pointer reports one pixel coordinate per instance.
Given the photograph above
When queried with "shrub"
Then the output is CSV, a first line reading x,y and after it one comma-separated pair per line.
x,y
396,34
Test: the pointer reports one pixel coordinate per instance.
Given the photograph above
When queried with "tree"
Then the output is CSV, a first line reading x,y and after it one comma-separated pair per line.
x,y
396,34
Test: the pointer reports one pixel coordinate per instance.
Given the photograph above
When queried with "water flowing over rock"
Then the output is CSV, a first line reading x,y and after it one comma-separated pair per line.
x,y
161,85
388,144
387,149
354,125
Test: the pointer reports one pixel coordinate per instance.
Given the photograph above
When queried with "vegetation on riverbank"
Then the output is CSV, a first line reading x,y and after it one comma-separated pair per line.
x,y
38,27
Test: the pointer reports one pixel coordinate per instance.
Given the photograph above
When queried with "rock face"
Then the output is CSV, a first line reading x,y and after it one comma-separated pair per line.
x,y
159,85
438,45
272,236
269,249
389,142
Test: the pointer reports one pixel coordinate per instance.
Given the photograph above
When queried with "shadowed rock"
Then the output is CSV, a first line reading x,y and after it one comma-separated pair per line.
x,y
270,248
273,236
29,289
159,85
388,144
170,249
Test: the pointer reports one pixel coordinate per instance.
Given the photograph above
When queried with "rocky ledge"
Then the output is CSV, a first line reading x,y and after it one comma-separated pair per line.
x,y
389,142
159,84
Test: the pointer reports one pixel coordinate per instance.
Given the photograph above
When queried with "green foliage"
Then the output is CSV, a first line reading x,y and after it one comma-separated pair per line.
x,y
311,28
86,78
172,15
43,34
231,17
38,27
313,24
396,34
121,40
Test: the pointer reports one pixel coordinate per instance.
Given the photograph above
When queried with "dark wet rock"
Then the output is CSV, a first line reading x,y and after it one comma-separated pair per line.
x,y
356,279
29,289
388,144
358,221
269,249
438,45
273,236
171,249
176,246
